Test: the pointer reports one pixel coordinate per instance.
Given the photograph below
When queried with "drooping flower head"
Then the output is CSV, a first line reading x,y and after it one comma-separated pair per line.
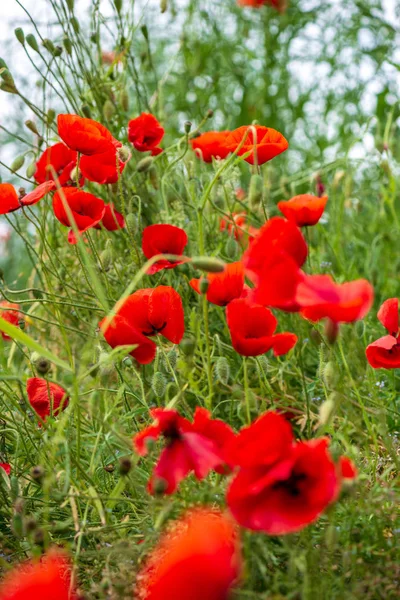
x,y
384,353
252,328
9,311
196,447
223,287
60,158
49,578
104,167
10,201
87,210
145,133
269,143
46,398
197,558
303,210
163,239
84,135
210,145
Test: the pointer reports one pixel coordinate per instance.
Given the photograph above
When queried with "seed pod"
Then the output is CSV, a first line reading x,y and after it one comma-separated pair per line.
x,y
42,365
222,370
30,170
17,163
19,34
86,111
31,126
255,190
144,164
188,346
204,285
209,264
108,110
330,374
187,126
125,465
67,45
51,115
158,384
31,41
131,223
75,24
231,247
124,100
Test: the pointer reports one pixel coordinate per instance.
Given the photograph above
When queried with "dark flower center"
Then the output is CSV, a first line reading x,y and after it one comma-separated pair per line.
x,y
292,486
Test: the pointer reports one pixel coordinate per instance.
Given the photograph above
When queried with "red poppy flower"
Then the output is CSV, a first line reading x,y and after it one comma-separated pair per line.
x,y
269,143
273,262
145,313
45,397
252,330
87,210
223,287
10,313
210,145
145,132
62,159
112,219
347,468
163,239
190,447
84,135
238,226
288,495
304,210
6,467
320,297
279,5
39,580
385,352
102,168
197,558
10,201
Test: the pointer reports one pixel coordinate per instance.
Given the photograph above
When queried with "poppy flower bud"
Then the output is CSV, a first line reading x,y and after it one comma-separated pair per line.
x,y
86,111
204,284
172,358
153,177
222,370
125,465
37,473
19,34
48,44
124,100
331,331
67,45
187,126
124,154
30,170
31,126
315,337
51,115
70,4
7,77
330,374
163,6
75,24
188,346
210,113
158,384
108,110
118,5
145,31
144,164
3,64
231,248
255,190
10,88
159,486
17,163
31,41
209,264
106,258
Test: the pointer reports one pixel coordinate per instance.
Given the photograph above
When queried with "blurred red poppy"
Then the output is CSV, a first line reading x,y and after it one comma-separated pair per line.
x,y
190,447
280,5
273,262
61,159
10,201
223,287
252,330
269,143
163,239
145,133
45,397
87,210
320,297
147,312
6,467
104,167
240,229
304,210
10,313
112,219
384,353
197,558
210,145
84,135
46,579
289,494
347,468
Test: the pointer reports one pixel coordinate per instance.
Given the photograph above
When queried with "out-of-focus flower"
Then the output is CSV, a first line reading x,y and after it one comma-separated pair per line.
x,y
10,313
163,239
6,467
210,145
60,158
384,353
87,210
10,201
304,210
223,287
46,398
268,144
145,133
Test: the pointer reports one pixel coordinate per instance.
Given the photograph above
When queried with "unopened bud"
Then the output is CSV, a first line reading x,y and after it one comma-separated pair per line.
x,y
19,34
153,177
331,331
7,77
144,164
255,190
51,115
145,31
3,64
75,24
17,525
108,110
48,44
31,126
70,4
204,284
187,126
67,45
124,154
106,258
330,374
131,223
172,358
222,370
231,248
209,264
158,384
17,163
188,346
210,113
118,5
86,111
30,170
125,465
163,6
325,411
31,41
8,87
124,99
